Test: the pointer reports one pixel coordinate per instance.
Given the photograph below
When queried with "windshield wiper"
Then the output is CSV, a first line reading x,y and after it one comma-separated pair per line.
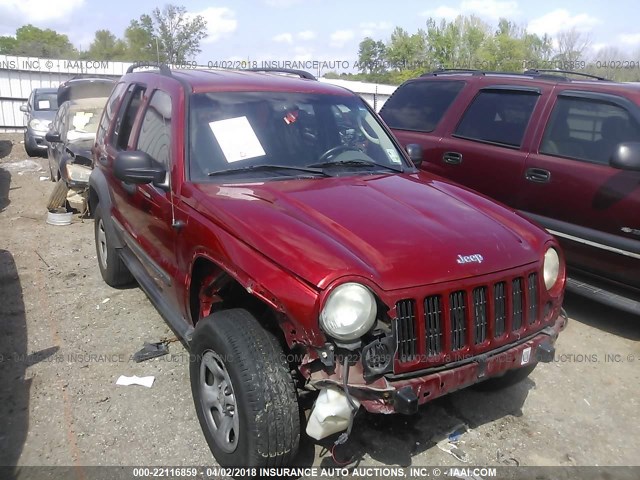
x,y
251,168
356,163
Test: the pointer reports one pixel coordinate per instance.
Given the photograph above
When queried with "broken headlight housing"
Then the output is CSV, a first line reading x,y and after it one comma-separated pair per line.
x,y
78,173
349,312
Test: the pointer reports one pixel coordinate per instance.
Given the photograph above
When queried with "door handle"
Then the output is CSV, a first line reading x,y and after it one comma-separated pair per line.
x,y
538,175
452,158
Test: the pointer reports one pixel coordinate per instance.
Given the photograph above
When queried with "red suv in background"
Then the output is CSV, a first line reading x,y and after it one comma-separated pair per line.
x,y
563,152
280,229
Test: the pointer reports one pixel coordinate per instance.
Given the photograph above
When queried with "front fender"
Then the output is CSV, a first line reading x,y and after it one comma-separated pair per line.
x,y
294,299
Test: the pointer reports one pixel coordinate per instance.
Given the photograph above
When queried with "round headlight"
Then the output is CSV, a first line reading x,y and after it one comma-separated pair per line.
x,y
37,124
551,268
349,312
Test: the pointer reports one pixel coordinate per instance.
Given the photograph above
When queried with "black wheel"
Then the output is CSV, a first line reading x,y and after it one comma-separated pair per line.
x,y
114,272
58,197
243,392
508,379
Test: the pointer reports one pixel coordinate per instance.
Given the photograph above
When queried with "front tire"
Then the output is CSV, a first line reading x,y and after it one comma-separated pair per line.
x,y
113,270
243,392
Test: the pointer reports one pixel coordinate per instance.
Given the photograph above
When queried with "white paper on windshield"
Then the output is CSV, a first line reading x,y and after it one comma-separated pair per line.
x,y
81,119
44,104
237,139
393,156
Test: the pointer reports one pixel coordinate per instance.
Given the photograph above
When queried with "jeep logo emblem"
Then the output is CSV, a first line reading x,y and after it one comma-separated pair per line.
x,y
477,258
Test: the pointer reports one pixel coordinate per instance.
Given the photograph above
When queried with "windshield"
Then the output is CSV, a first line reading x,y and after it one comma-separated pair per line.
x,y
82,121
236,131
45,101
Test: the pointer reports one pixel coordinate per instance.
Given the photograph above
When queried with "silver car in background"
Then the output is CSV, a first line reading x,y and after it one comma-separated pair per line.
x,y
39,111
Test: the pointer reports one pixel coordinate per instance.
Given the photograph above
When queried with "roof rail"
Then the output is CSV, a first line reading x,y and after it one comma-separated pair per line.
x,y
538,71
82,76
164,69
300,73
453,70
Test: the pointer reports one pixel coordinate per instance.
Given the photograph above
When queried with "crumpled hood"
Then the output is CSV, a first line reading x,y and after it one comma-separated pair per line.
x,y
399,231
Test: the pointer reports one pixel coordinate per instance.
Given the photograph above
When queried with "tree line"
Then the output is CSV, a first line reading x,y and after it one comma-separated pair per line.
x,y
173,36
470,43
167,35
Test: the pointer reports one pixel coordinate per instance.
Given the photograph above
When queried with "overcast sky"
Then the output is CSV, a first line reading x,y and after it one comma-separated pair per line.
x,y
322,29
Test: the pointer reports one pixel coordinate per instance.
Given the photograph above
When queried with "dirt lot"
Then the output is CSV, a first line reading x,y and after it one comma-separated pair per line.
x,y
66,337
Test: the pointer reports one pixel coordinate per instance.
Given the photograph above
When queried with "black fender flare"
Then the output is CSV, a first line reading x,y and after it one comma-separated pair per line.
x,y
100,194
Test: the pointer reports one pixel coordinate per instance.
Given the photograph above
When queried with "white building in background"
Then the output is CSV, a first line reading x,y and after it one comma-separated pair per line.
x,y
20,75
375,94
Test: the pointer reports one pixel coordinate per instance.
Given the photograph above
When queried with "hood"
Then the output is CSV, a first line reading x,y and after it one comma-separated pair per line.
x,y
85,88
82,146
399,231
44,115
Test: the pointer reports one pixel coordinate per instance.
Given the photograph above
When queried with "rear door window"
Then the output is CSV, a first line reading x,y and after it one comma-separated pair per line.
x,y
588,129
498,116
420,105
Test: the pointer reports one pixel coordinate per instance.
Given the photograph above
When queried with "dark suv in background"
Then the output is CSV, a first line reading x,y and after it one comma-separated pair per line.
x,y
561,148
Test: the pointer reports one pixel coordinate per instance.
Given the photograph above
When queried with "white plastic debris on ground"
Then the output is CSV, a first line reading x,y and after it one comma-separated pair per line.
x,y
452,443
22,166
144,381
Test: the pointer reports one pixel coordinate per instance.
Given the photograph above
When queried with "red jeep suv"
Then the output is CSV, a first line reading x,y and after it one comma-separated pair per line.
x,y
562,151
281,231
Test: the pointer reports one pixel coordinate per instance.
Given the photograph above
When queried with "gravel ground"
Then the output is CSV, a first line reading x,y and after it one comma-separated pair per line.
x,y
67,336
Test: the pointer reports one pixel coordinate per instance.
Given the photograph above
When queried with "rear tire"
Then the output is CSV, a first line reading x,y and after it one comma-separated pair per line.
x,y
238,367
507,380
113,270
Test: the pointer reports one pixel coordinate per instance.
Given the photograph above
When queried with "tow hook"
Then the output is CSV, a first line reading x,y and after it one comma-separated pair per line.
x,y
405,401
546,352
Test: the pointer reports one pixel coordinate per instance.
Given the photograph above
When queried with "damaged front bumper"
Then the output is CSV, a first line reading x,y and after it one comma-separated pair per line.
x,y
404,393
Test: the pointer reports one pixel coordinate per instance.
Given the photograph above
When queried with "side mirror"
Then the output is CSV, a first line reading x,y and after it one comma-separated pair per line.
x,y
53,137
23,108
138,167
415,153
626,156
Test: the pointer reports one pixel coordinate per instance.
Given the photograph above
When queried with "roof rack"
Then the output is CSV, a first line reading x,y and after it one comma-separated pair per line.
x,y
164,69
83,76
291,71
453,70
538,71
542,73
